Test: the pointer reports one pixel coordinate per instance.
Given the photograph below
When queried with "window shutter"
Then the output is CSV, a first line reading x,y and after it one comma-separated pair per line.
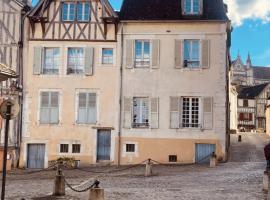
x,y
205,48
88,61
92,112
155,54
178,54
175,112
250,116
129,54
208,113
54,108
201,7
183,4
127,112
154,113
37,65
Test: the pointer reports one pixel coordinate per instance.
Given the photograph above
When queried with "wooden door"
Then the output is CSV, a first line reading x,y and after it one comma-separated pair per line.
x,y
35,156
204,152
103,145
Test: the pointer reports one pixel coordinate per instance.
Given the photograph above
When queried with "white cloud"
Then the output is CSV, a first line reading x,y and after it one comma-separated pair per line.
x,y
239,10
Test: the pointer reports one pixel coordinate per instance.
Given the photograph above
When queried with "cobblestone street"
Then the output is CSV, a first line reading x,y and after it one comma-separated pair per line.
x,y
241,178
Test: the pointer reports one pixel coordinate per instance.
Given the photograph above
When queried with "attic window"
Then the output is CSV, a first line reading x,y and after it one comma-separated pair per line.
x,y
192,7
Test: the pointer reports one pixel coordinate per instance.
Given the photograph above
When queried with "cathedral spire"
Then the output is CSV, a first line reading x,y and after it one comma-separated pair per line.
x,y
249,63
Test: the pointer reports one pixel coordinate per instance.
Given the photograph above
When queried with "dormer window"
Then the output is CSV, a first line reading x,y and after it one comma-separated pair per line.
x,y
79,11
192,7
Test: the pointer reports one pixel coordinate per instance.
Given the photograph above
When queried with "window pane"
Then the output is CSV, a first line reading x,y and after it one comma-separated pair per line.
x,y
138,49
147,50
75,61
44,99
107,56
195,50
82,100
54,99
51,61
63,148
196,6
186,50
140,112
44,115
76,148
72,12
188,6
65,12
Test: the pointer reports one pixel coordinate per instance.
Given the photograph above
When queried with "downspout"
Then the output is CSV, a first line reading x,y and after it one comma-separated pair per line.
x,y
120,97
20,84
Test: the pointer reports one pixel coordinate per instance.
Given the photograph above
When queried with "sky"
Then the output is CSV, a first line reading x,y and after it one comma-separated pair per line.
x,y
251,29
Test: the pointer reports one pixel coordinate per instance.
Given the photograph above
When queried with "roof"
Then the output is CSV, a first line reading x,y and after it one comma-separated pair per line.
x,y
169,10
6,72
261,72
251,92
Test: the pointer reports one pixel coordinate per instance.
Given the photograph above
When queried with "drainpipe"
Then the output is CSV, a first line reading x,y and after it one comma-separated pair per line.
x,y
24,14
120,96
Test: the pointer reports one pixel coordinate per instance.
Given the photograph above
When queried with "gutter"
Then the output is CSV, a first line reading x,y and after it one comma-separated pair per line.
x,y
120,97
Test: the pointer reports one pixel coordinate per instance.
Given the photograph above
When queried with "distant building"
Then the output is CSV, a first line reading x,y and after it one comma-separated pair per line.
x,y
247,74
252,102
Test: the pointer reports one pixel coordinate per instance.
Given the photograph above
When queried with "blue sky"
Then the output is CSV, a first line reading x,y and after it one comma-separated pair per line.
x,y
251,22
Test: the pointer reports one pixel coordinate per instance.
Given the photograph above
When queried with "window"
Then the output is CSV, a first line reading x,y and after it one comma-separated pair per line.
x,y
192,53
172,158
142,53
245,103
75,61
49,108
107,56
246,117
190,112
140,112
76,148
51,61
68,12
63,148
87,111
130,147
192,7
83,12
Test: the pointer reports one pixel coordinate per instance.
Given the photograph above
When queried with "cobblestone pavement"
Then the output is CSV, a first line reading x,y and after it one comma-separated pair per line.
x,y
241,178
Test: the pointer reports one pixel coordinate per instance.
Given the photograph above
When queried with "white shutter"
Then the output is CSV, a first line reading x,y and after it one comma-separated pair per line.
x,y
205,54
92,108
88,61
208,113
155,54
174,112
154,113
178,54
127,112
129,54
38,60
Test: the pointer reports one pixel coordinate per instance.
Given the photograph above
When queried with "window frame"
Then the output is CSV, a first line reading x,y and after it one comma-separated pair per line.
x,y
53,58
71,71
76,150
64,146
141,124
49,107
245,103
189,114
128,148
188,63
68,11
108,57
88,93
192,13
83,12
143,62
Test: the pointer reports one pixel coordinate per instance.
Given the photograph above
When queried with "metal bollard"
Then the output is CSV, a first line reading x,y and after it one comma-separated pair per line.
x,y
148,168
239,138
213,160
96,193
59,182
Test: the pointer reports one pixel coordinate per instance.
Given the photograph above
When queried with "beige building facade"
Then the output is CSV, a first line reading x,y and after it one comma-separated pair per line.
x,y
175,75
70,84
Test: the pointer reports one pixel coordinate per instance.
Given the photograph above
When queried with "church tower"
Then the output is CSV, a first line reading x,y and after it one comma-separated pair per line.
x,y
250,79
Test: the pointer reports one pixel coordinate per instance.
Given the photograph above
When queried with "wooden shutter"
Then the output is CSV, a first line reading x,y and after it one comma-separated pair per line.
x,y
92,108
89,61
127,112
175,112
155,54
37,65
205,54
208,113
154,113
129,54
178,54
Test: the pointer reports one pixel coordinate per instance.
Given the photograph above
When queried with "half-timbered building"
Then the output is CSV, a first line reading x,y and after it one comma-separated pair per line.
x,y
175,75
252,102
71,83
12,13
